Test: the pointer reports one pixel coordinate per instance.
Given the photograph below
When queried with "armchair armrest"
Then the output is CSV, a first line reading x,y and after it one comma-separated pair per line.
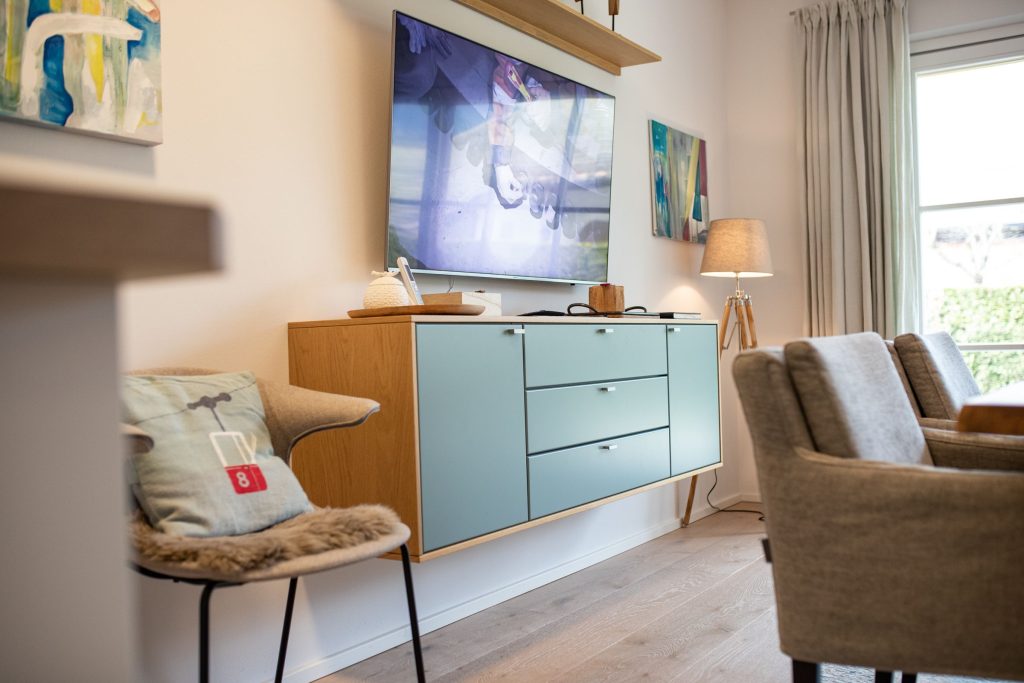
x,y
901,567
974,450
294,413
937,423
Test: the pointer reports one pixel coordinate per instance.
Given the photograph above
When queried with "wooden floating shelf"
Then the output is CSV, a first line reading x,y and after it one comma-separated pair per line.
x,y
560,25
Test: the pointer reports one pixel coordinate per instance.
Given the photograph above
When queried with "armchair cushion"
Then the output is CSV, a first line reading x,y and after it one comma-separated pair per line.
x,y
211,470
853,399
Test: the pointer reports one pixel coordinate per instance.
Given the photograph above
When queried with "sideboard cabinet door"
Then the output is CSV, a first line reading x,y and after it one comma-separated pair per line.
x,y
693,396
472,427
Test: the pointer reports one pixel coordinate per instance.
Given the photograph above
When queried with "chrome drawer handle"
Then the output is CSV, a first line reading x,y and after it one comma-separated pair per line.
x,y
675,329
609,447
516,330
606,330
608,389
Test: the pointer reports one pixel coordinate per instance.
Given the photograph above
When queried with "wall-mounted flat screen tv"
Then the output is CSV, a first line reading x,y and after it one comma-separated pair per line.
x,y
498,168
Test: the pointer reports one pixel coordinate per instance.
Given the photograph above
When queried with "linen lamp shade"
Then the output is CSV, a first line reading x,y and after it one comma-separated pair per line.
x,y
737,247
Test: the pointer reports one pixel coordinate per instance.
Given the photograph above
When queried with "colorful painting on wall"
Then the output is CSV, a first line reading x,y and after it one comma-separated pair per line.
x,y
679,184
89,66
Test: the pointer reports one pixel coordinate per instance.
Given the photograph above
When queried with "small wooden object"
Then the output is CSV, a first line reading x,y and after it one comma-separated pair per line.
x,y
608,298
426,309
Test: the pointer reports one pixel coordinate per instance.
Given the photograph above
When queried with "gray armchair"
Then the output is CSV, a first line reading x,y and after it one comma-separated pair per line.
x,y
938,375
314,541
881,558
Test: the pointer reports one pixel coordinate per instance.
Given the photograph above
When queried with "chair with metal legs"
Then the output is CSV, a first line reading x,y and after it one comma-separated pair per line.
x,y
370,531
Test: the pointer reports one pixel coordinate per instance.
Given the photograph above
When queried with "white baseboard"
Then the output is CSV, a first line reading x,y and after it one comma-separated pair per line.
x,y
386,641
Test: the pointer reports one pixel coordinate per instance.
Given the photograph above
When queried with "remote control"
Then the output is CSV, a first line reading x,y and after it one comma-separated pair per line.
x,y
410,281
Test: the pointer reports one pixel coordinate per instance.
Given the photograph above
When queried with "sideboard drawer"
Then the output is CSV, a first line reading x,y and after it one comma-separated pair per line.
x,y
563,479
565,416
573,354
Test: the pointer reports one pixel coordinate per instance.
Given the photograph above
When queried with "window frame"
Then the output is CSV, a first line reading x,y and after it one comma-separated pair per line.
x,y
929,54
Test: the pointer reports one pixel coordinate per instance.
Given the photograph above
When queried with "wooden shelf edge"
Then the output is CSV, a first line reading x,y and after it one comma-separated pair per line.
x,y
559,25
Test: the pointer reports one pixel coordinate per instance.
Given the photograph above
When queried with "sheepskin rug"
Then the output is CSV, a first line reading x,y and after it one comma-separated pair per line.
x,y
317,531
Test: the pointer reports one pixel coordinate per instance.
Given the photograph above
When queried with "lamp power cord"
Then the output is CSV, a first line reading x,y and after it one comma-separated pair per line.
x,y
718,509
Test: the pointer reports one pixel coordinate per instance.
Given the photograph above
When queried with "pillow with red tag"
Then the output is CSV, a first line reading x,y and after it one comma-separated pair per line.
x,y
212,470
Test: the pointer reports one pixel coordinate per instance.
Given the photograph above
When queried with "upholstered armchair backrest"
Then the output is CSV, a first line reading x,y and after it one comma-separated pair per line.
x,y
940,377
855,404
890,346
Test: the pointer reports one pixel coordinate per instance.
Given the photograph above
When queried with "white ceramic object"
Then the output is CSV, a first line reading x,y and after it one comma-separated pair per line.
x,y
386,290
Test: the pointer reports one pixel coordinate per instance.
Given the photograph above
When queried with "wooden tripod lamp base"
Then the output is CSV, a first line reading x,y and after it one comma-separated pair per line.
x,y
739,306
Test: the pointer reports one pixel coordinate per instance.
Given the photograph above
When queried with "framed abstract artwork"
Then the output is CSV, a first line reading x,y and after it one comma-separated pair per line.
x,y
679,184
88,66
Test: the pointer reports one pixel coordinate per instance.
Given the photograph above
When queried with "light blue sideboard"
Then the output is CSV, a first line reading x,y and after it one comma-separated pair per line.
x,y
491,425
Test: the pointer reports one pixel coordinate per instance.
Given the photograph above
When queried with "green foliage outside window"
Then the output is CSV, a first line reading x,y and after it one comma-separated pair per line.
x,y
987,315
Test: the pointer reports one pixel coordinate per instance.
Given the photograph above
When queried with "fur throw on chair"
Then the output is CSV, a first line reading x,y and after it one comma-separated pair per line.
x,y
318,531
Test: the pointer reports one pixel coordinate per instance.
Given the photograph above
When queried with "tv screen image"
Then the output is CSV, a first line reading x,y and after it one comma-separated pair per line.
x,y
498,167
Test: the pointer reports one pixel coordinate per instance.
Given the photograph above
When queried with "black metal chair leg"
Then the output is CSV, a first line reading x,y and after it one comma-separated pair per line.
x,y
805,672
204,631
883,676
285,630
908,677
414,623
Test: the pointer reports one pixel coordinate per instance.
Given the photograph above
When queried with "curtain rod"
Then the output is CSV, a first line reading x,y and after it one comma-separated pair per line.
x,y
957,47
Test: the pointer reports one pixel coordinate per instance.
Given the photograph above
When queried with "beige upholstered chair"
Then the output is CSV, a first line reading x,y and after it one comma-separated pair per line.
x,y
321,539
880,558
937,373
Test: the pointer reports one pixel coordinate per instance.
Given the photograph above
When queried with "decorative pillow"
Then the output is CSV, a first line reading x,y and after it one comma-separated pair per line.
x,y
212,470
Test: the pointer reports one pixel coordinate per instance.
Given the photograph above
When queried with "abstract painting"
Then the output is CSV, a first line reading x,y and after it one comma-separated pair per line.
x,y
90,66
679,184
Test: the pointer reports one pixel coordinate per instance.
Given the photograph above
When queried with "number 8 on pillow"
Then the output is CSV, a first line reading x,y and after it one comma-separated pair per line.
x,y
247,477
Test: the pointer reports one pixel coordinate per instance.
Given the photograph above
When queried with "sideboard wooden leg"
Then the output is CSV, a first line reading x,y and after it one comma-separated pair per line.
x,y
689,500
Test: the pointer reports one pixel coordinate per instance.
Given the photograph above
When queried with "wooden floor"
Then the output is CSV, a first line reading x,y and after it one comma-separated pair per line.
x,y
693,605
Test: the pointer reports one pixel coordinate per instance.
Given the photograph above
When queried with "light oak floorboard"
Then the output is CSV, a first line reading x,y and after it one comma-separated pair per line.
x,y
569,641
693,606
751,654
643,582
664,648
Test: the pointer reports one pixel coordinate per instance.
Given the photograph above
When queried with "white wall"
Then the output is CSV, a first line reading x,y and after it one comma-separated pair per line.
x,y
278,112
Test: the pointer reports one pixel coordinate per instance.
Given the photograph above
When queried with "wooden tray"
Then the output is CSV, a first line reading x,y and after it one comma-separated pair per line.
x,y
427,309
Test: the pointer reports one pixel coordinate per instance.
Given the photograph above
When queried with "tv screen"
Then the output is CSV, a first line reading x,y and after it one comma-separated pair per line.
x,y
498,167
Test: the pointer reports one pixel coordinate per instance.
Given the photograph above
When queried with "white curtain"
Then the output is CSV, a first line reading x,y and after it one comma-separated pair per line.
x,y
862,245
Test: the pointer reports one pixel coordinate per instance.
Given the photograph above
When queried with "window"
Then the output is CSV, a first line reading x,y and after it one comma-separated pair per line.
x,y
969,119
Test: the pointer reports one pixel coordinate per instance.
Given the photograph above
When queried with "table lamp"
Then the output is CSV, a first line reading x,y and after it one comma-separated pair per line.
x,y
737,247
